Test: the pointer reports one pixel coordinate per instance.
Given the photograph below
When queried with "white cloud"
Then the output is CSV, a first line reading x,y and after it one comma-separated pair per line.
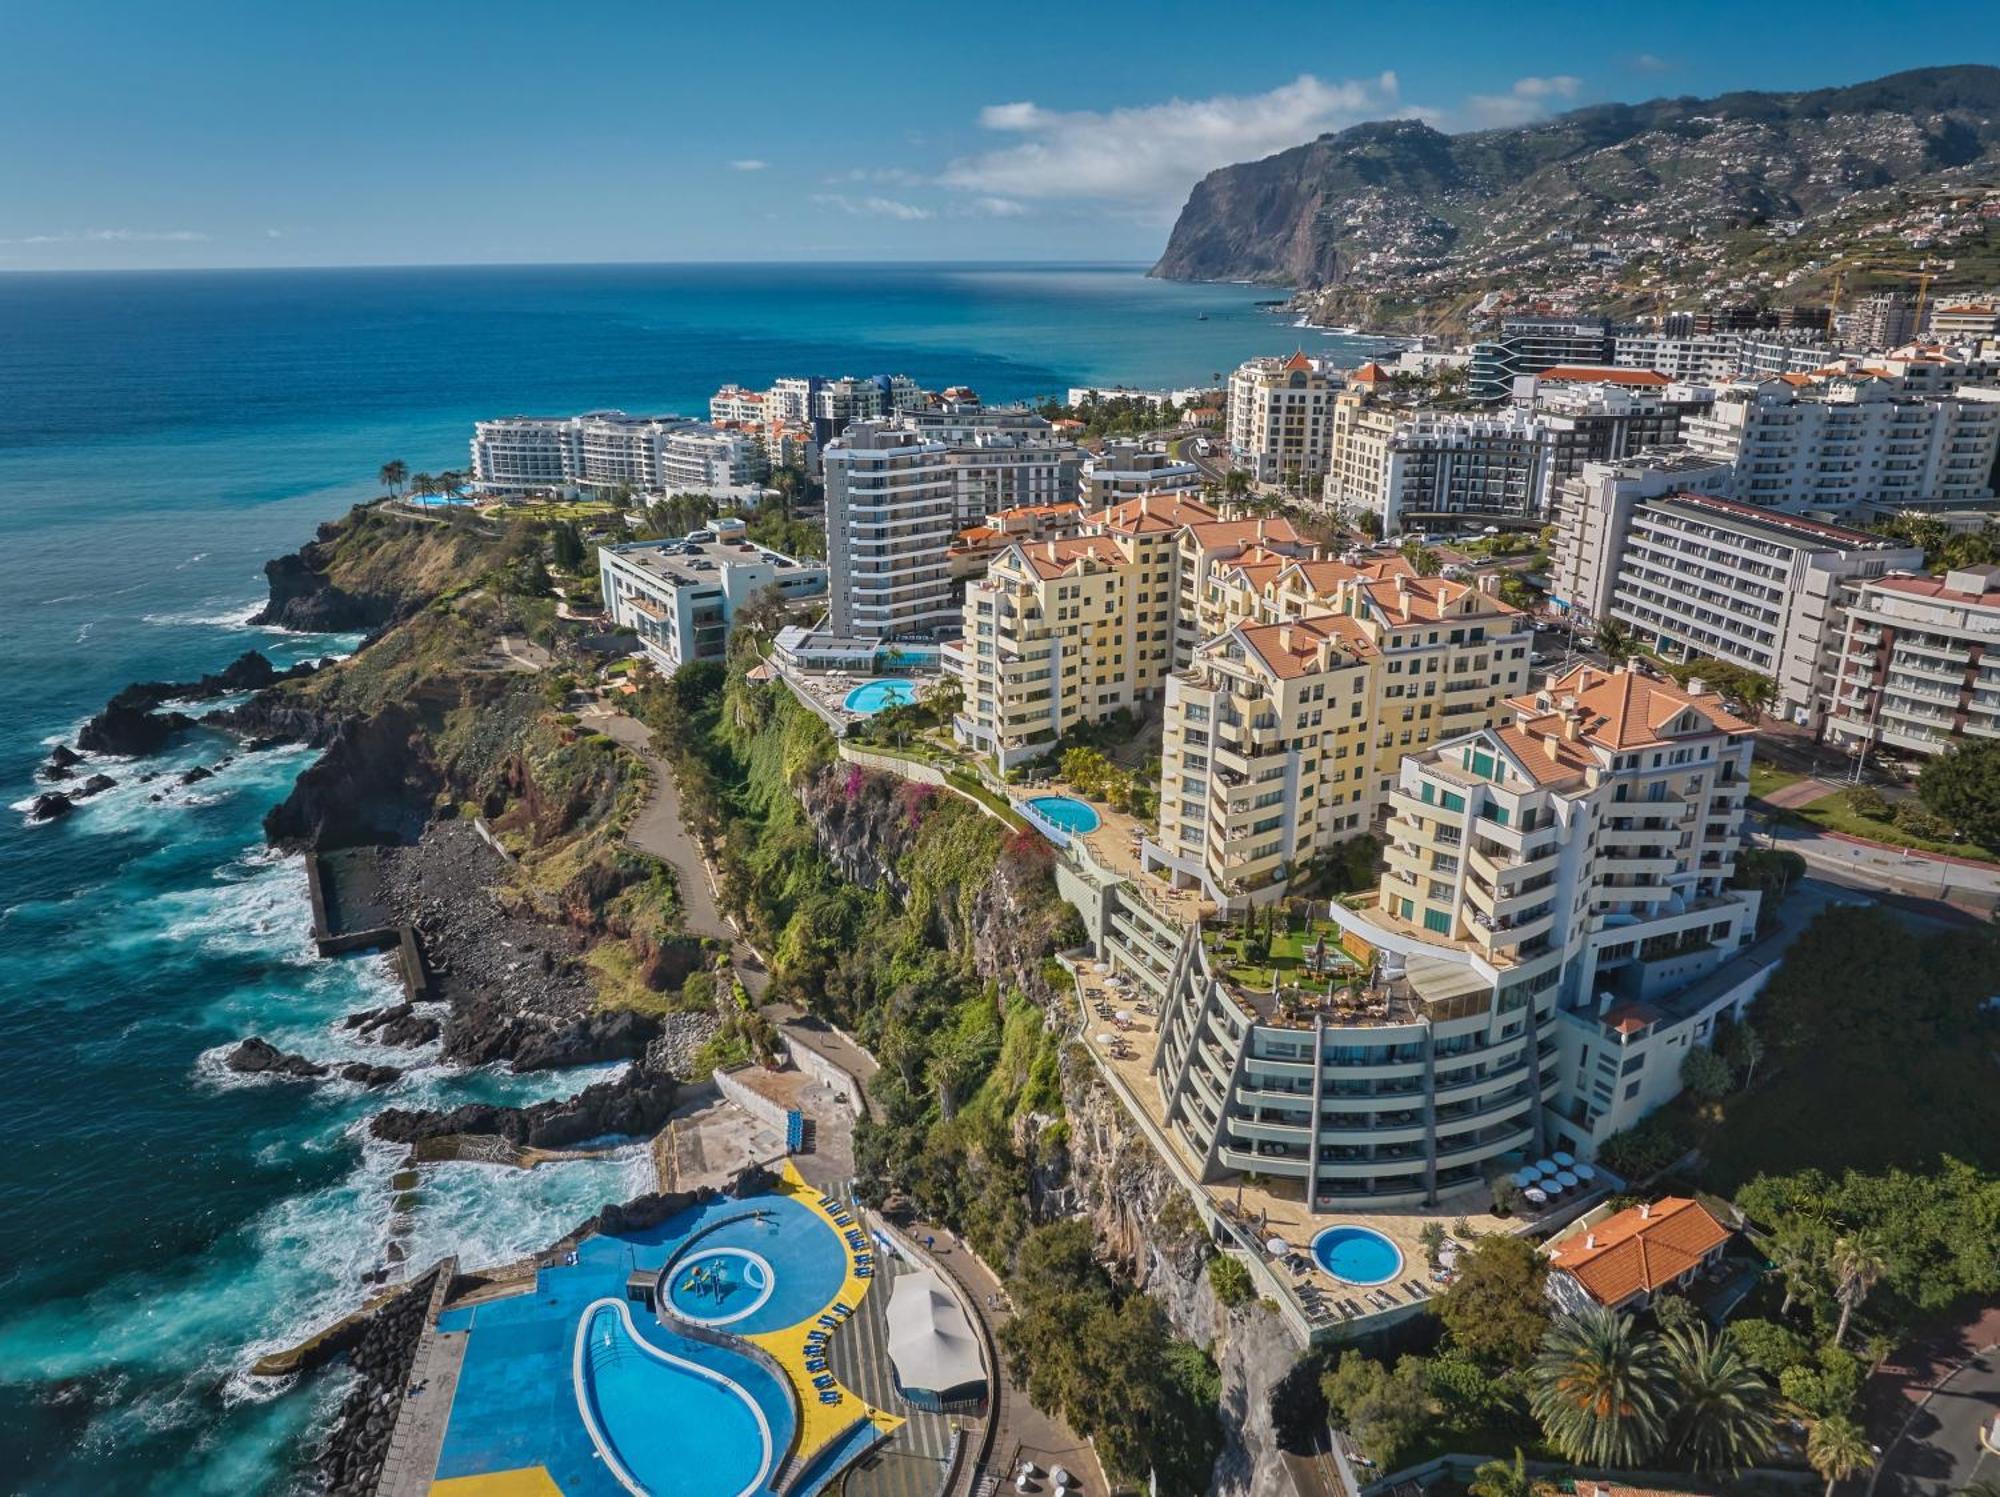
x,y
1155,152
748,164
888,176
1528,99
1650,62
999,207
874,207
113,236
274,233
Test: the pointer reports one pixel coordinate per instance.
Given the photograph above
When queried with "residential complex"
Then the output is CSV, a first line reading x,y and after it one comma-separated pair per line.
x,y
1919,662
610,449
1850,444
680,597
891,513
1282,736
975,546
1279,412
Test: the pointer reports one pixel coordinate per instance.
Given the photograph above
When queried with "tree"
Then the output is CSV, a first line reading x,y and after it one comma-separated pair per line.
x,y
1963,786
392,475
1601,1390
1838,1449
1798,1255
1431,1236
423,486
1426,561
1745,1049
1706,1074
1615,642
1230,1280
566,545
1383,1411
943,698
1722,1416
1496,1309
1235,484
1857,1266
1503,1478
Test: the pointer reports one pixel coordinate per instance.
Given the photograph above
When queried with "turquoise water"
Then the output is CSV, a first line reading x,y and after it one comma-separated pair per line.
x,y
162,436
1070,814
870,697
674,1427
721,1286
677,1429
1357,1255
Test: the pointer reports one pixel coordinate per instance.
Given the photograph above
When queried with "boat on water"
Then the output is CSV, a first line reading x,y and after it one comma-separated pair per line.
x,y
1201,317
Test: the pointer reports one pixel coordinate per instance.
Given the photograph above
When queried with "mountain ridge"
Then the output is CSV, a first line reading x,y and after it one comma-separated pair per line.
x,y
1386,196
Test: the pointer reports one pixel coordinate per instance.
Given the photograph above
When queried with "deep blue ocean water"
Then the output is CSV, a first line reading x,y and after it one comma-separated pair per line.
x,y
161,436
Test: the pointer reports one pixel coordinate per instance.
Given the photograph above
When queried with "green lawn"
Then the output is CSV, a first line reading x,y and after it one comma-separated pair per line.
x,y
1766,777
1835,813
1286,961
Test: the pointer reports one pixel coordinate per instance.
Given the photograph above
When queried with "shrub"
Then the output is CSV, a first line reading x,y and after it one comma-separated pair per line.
x,y
1912,818
1648,1146
1867,801
1706,1074
1230,1280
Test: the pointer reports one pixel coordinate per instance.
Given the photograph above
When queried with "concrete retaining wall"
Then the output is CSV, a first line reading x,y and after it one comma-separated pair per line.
x,y
753,1102
823,1070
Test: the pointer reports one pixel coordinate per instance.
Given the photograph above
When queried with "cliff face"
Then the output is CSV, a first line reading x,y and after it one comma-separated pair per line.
x,y
1144,1218
1402,194
373,567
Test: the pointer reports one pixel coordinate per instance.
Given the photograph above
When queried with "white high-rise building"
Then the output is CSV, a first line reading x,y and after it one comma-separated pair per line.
x,y
609,449
891,514
1850,444
1279,414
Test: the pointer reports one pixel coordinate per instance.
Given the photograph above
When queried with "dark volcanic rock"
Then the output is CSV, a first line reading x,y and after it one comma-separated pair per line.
x,y
481,1030
51,805
367,1075
637,1104
62,756
259,1057
395,1024
350,1462
97,784
196,775
54,772
302,598
134,732
374,783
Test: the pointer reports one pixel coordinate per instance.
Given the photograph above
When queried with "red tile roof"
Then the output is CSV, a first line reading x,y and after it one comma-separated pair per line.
x,y
1640,1248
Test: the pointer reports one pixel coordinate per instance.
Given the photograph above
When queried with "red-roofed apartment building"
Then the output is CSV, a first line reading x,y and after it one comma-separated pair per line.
x,y
1278,411
1621,1262
1919,661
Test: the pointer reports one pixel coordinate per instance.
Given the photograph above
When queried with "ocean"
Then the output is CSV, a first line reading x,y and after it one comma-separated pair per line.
x,y
161,436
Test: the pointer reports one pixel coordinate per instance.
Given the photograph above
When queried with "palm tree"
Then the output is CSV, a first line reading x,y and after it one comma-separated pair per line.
x,y
1499,1478
1838,1449
1857,1265
1616,643
1600,1390
423,485
392,475
1799,1260
1722,1405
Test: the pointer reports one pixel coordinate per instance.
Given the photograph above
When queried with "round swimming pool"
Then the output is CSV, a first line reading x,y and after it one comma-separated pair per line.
x,y
720,1286
870,697
1067,812
1357,1255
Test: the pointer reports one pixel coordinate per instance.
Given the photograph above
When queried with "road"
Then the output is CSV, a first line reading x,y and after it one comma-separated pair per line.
x,y
1939,1450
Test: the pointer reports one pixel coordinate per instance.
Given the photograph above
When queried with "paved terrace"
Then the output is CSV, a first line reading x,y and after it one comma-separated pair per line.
x,y
1265,1208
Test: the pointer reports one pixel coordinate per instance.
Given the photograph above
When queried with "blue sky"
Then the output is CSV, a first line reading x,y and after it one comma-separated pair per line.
x,y
187,133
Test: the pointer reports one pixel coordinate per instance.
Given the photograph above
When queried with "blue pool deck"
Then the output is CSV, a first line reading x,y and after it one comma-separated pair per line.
x,y
517,1422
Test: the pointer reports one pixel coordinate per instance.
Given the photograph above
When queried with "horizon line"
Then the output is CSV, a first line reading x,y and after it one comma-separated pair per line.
x,y
82,270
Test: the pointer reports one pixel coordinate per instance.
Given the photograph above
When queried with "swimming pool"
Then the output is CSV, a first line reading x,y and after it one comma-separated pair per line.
x,y
870,697
666,1425
1357,1255
1068,813
721,1285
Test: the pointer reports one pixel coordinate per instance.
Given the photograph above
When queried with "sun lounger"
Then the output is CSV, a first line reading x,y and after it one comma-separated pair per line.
x,y
829,1397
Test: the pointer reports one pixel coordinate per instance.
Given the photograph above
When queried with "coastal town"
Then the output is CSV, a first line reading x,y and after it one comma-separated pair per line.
x,y
1413,917
1427,787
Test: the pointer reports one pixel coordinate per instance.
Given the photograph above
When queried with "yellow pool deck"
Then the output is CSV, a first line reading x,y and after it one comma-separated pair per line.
x,y
819,1423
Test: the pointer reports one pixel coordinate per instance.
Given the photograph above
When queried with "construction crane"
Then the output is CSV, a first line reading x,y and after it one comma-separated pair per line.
x,y
1923,278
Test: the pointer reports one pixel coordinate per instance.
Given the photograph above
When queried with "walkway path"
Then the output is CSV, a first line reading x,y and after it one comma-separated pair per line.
x,y
657,828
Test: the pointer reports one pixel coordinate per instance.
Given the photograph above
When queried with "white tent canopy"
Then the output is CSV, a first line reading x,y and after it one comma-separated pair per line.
x,y
929,1341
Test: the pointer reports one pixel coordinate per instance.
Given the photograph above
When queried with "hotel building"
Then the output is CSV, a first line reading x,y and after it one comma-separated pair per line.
x,y
1919,662
891,513
1279,412
1698,576
680,597
1850,444
610,449
1528,345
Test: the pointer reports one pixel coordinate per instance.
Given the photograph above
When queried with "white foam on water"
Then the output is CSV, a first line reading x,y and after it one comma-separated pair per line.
x,y
212,613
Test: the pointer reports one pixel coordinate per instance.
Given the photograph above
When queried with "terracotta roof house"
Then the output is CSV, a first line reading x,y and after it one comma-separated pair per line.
x,y
1621,1262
